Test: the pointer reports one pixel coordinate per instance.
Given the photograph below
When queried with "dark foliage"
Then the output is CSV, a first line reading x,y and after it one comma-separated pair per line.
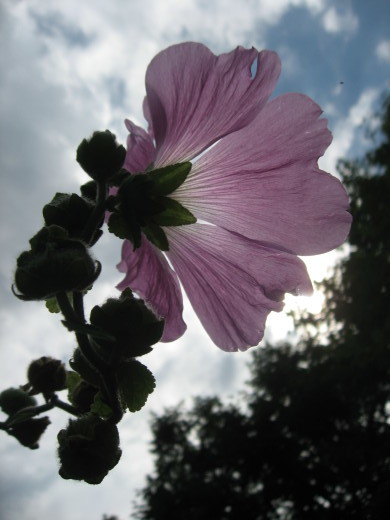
x,y
313,441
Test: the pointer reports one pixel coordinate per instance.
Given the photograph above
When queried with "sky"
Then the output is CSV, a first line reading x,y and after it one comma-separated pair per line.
x,y
69,68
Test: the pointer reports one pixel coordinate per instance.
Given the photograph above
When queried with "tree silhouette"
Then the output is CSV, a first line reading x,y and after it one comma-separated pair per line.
x,y
311,439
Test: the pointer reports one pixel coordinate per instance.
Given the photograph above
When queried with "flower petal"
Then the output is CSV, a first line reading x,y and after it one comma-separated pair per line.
x,y
232,282
149,275
140,149
263,181
194,97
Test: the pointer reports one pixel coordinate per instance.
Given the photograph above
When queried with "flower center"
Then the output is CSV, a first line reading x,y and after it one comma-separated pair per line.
x,y
142,205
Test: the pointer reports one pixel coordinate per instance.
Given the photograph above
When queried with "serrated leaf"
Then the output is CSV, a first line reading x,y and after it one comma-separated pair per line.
x,y
156,235
122,229
99,407
174,214
135,383
169,178
117,226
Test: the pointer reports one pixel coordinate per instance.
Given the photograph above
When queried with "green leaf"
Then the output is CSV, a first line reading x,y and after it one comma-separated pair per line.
x,y
117,226
72,380
125,229
101,408
80,365
156,235
135,383
174,214
52,305
169,178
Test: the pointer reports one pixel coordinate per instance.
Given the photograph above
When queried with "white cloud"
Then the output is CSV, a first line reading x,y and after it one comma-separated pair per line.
x,y
383,51
346,129
340,20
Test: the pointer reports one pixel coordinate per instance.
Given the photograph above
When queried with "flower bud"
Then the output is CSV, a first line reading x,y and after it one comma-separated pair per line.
x,y
88,449
133,325
71,212
83,396
46,375
29,432
14,399
54,264
101,156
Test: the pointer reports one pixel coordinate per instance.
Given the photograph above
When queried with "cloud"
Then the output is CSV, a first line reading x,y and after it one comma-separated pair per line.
x,y
340,20
382,51
346,131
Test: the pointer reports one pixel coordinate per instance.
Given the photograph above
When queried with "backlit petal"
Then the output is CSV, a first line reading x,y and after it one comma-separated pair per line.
x,y
140,149
149,275
194,97
263,181
232,282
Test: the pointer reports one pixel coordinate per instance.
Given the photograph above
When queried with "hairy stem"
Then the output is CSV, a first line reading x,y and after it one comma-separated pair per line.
x,y
109,387
55,401
97,213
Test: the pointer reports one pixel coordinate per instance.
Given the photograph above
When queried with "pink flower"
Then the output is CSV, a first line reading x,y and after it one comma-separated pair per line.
x,y
258,192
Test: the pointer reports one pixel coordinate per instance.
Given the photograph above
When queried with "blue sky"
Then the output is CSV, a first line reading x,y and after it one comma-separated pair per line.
x,y
68,68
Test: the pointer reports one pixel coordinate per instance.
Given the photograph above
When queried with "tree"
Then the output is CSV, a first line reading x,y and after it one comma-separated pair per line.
x,y
312,440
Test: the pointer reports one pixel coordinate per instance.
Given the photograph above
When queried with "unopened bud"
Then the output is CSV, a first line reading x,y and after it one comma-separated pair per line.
x,y
88,449
101,156
71,212
14,399
47,375
133,325
54,264
29,432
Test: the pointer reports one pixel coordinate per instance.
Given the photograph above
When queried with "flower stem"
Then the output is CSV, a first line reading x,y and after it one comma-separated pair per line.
x,y
109,387
55,401
97,213
26,413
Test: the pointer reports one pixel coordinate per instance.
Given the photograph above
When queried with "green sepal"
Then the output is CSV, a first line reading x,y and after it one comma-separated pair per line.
x,y
135,382
100,408
156,235
169,178
173,214
123,230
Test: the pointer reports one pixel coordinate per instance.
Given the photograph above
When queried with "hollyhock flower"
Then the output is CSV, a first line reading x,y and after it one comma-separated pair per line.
x,y
257,194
